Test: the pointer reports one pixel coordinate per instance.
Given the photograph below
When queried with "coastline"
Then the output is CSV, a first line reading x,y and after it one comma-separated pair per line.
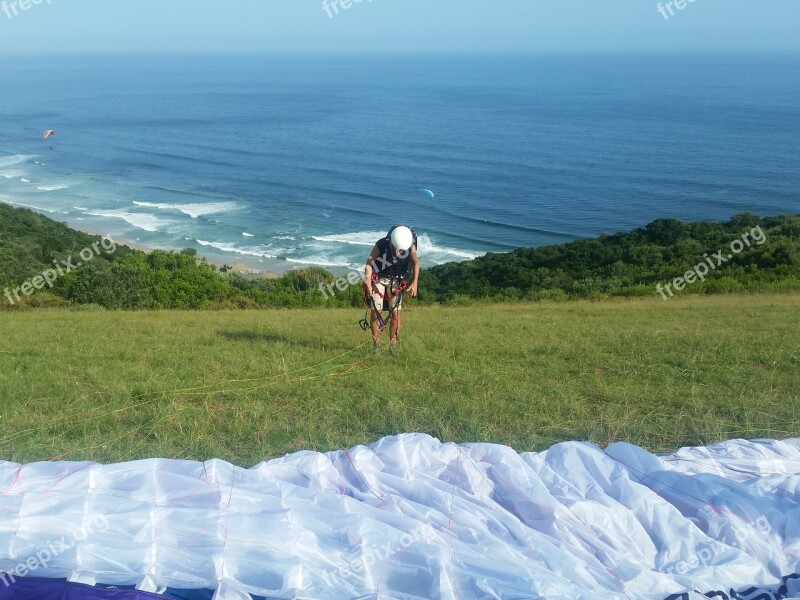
x,y
240,268
252,267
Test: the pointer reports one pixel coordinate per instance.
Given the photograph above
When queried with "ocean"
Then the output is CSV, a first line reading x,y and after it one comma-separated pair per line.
x,y
283,162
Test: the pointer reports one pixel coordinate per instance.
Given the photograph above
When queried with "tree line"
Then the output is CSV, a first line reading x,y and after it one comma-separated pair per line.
x,y
623,264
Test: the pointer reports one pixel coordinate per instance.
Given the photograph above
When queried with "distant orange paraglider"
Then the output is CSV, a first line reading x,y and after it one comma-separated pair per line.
x,y
48,133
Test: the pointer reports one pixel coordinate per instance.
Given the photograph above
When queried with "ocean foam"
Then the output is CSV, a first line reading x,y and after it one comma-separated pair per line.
x,y
193,210
358,238
53,187
32,207
139,220
429,251
224,246
15,159
320,261
230,247
245,234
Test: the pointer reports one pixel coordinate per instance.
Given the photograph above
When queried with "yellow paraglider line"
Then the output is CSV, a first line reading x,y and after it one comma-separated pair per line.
x,y
88,414
271,378
79,417
296,376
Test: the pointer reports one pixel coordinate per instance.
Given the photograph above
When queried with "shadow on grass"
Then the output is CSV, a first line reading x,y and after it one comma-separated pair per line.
x,y
268,337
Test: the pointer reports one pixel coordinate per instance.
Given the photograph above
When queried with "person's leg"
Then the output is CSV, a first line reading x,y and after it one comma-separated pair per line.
x,y
376,330
394,330
375,325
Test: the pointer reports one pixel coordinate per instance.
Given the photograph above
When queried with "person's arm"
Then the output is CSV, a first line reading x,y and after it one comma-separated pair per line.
x,y
370,262
415,262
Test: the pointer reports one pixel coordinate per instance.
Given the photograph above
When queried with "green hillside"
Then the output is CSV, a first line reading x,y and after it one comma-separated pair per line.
x,y
623,264
30,242
632,264
118,277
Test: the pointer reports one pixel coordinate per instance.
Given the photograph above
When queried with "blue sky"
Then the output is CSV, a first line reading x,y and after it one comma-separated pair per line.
x,y
398,26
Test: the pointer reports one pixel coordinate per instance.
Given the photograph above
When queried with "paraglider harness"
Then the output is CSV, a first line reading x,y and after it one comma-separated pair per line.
x,y
391,293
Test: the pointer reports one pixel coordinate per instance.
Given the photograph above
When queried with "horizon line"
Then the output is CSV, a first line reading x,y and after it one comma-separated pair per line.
x,y
402,54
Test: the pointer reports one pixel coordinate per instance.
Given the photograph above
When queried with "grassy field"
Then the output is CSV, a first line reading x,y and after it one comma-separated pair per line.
x,y
249,386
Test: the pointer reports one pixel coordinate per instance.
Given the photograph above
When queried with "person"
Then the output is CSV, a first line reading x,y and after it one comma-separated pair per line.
x,y
389,265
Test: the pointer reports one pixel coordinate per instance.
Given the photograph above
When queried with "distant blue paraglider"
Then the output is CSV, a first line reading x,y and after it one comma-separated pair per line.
x,y
427,192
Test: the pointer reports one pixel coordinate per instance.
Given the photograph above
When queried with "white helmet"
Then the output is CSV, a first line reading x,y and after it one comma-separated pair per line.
x,y
402,238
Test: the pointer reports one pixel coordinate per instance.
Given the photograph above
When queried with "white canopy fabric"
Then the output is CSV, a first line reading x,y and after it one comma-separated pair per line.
x,y
411,518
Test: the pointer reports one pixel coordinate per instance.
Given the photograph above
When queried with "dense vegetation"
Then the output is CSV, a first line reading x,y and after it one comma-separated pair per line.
x,y
632,264
180,281
30,242
623,264
132,279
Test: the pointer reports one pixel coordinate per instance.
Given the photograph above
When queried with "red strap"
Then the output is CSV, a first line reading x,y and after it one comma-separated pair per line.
x,y
400,289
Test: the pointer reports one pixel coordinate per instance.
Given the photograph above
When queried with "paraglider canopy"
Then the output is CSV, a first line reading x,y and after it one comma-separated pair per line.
x,y
48,133
427,192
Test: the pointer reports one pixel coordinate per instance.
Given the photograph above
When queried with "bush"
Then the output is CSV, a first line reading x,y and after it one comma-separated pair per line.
x,y
550,294
37,300
461,300
723,285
